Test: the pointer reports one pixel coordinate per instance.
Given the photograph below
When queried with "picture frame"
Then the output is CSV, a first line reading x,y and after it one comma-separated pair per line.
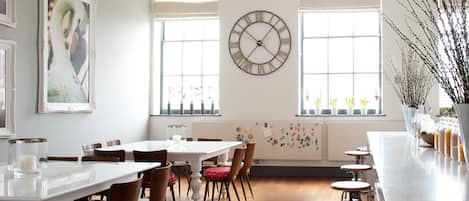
x,y
8,13
67,56
7,88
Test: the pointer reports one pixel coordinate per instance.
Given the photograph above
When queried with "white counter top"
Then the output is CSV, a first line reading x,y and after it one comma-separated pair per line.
x,y
407,172
64,181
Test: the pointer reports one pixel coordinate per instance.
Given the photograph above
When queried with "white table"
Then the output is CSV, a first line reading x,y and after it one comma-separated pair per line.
x,y
193,151
409,172
67,181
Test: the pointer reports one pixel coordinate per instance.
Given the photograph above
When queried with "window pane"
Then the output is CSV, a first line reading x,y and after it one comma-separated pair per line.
x,y
210,89
173,30
315,56
171,91
341,24
193,30
314,86
211,57
340,55
211,29
366,23
192,58
192,91
341,87
172,58
367,54
315,24
367,86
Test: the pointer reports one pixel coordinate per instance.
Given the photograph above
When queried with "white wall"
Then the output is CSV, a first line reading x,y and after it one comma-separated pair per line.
x,y
122,79
276,96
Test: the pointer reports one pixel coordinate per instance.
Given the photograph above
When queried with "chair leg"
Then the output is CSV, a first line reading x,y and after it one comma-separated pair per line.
x,y
242,187
206,190
171,188
179,181
189,179
143,193
213,190
235,190
227,185
219,195
249,185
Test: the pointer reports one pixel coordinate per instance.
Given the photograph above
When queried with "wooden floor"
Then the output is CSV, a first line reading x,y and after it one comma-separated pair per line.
x,y
279,189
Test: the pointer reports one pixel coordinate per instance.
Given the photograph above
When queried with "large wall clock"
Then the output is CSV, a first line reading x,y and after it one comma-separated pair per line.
x,y
260,42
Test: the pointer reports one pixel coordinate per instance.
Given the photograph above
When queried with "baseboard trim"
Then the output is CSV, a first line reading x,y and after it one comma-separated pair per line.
x,y
283,171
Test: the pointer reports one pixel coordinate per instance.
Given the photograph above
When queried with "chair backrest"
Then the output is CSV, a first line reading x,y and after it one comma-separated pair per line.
x,y
113,143
151,156
159,182
88,150
209,139
248,159
115,153
101,158
125,191
236,163
62,158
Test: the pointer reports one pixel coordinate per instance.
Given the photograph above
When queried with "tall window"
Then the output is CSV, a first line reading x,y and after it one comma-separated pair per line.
x,y
189,66
341,58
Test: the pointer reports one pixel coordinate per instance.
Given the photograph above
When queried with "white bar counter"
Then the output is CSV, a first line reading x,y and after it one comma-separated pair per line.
x,y
408,172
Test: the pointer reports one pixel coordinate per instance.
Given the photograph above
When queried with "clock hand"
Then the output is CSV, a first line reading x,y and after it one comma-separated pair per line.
x,y
252,52
271,28
249,34
272,54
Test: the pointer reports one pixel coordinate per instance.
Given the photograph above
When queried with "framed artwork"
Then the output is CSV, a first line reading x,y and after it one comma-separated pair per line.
x,y
8,12
7,88
67,56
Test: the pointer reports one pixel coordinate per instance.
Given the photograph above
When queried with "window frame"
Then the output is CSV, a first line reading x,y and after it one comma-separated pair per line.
x,y
175,110
380,73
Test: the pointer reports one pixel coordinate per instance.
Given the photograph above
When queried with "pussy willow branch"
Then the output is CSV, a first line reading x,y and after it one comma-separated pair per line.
x,y
411,81
437,31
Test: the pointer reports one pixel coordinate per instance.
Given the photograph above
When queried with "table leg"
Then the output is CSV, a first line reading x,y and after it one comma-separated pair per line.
x,y
224,158
196,167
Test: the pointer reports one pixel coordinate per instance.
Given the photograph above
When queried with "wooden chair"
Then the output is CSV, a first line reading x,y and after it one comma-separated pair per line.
x,y
225,175
125,191
62,158
88,150
154,156
159,176
113,143
246,168
117,153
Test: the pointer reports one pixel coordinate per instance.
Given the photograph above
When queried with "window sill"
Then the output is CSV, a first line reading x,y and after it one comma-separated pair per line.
x,y
185,115
341,115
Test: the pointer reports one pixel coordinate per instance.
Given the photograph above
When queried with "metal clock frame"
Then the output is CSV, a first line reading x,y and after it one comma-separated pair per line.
x,y
239,65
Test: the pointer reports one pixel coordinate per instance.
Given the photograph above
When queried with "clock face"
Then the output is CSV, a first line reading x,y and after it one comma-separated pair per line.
x,y
260,42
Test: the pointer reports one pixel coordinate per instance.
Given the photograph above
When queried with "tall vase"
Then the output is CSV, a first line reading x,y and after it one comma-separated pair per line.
x,y
463,117
409,115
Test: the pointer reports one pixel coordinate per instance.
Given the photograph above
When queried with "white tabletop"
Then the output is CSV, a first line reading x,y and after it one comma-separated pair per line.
x,y
184,147
60,179
408,172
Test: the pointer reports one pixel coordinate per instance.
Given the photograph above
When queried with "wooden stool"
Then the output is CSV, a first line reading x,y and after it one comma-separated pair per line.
x,y
351,187
355,168
358,155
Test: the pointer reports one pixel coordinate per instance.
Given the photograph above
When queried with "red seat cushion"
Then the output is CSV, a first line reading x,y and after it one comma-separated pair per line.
x,y
172,178
217,172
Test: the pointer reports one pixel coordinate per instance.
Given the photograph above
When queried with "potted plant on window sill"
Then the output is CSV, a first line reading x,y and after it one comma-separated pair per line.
x,y
333,103
364,102
350,101
317,103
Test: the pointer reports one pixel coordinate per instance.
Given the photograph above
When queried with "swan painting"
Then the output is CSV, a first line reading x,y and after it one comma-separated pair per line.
x,y
67,57
68,61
